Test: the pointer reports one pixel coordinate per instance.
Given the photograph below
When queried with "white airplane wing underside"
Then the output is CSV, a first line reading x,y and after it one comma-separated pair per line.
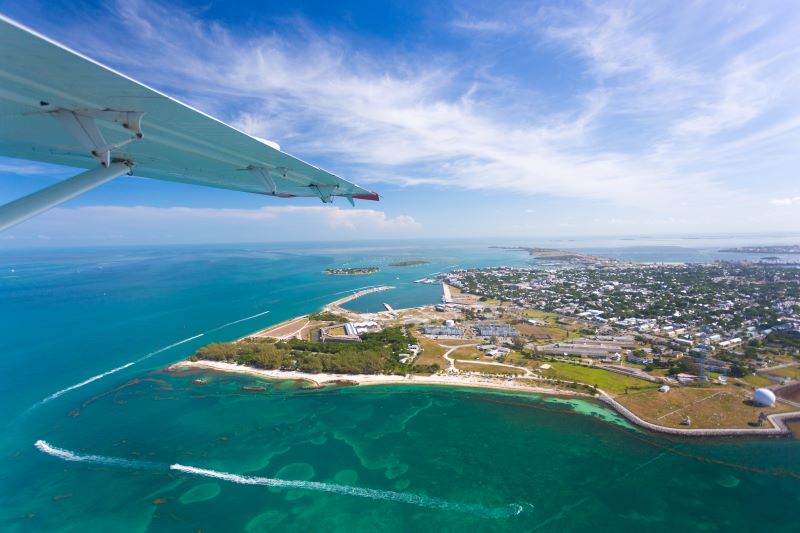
x,y
60,107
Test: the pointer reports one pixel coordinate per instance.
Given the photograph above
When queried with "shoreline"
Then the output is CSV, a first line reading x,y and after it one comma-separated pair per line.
x,y
778,420
320,380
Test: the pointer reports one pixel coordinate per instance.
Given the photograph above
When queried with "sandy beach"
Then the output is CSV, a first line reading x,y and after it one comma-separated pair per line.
x,y
376,379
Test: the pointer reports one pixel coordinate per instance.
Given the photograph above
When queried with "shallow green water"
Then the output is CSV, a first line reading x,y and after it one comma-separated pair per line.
x,y
388,458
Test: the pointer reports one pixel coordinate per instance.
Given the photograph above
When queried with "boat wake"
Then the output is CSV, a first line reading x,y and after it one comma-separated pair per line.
x,y
245,319
66,455
143,358
505,511
115,370
374,494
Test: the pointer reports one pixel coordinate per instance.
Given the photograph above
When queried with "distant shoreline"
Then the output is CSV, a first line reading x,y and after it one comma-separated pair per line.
x,y
320,380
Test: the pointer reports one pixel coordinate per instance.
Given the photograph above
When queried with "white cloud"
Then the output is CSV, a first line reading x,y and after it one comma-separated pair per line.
x,y
23,168
109,223
390,119
481,25
672,106
331,217
794,200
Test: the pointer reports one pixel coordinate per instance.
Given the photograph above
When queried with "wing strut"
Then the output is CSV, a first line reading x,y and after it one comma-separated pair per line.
x,y
29,206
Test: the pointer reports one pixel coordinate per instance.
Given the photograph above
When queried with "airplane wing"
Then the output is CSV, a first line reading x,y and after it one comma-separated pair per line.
x,y
58,106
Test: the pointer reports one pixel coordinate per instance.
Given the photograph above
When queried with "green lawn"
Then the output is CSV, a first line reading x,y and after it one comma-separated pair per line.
x,y
757,380
431,353
788,372
535,313
486,369
610,382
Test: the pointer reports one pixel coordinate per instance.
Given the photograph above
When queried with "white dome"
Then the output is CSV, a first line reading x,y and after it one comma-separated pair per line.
x,y
764,397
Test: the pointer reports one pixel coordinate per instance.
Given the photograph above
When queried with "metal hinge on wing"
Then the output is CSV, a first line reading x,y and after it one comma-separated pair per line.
x,y
325,192
81,124
266,174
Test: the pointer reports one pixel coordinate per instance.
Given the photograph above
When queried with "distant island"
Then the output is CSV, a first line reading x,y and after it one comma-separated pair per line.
x,y
791,249
359,271
408,263
549,254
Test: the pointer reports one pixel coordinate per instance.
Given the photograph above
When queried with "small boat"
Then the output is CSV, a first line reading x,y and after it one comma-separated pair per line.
x,y
200,382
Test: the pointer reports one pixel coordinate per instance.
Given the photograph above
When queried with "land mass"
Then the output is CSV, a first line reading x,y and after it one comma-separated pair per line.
x,y
791,249
550,254
618,334
408,263
357,271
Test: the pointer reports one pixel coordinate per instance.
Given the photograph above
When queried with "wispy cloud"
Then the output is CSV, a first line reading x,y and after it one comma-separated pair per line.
x,y
330,217
23,168
192,224
671,106
794,200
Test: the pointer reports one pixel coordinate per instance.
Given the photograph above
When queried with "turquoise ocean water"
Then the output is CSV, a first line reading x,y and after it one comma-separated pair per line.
x,y
125,446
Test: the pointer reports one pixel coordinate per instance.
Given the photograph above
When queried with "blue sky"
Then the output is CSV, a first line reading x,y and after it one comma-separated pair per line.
x,y
487,119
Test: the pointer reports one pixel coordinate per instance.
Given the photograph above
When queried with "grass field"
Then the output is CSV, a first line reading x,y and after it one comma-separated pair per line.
x,y
487,369
469,353
456,342
788,372
535,313
431,353
708,407
544,333
611,382
757,380
339,331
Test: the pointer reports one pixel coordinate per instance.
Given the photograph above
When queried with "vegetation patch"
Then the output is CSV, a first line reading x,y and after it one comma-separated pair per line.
x,y
327,316
408,263
606,380
358,271
431,353
487,369
376,353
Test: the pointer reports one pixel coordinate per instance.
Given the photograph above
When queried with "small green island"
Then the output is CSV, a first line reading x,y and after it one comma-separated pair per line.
x,y
408,263
356,271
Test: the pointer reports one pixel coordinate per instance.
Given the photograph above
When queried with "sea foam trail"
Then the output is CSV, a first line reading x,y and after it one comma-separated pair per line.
x,y
238,321
67,455
374,494
144,357
115,370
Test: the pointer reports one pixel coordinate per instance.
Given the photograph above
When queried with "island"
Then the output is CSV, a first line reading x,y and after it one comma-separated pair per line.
x,y
631,337
563,256
408,263
355,271
787,249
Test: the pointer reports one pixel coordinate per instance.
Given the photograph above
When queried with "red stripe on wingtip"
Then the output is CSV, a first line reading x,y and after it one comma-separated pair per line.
x,y
375,197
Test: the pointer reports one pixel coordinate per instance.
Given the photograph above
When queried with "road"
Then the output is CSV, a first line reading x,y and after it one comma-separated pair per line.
x,y
453,367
